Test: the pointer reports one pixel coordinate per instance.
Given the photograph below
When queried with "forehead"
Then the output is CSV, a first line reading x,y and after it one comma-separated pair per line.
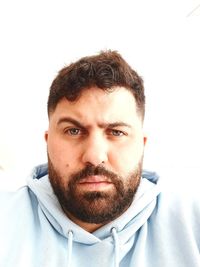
x,y
95,104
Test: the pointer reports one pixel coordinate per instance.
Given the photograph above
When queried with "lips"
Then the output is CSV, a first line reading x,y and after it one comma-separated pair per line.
x,y
95,183
95,179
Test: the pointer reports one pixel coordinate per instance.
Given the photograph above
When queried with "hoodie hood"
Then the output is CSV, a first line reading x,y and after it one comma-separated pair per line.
x,y
118,232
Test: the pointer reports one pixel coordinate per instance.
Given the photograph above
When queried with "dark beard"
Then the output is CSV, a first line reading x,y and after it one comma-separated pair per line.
x,y
95,206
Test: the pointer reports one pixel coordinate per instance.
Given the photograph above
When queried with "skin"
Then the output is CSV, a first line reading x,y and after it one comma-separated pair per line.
x,y
99,128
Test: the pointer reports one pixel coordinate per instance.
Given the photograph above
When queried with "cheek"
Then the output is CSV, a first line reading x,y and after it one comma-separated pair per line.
x,y
128,157
57,151
62,154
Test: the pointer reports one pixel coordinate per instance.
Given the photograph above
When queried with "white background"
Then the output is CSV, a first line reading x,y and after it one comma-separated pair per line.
x,y
160,39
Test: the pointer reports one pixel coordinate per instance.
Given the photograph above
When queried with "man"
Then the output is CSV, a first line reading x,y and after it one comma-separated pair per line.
x,y
92,205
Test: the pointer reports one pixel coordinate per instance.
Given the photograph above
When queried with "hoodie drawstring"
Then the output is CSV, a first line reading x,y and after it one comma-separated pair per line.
x,y
70,243
116,242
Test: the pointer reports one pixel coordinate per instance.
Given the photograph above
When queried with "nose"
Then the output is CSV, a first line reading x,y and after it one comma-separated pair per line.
x,y
95,151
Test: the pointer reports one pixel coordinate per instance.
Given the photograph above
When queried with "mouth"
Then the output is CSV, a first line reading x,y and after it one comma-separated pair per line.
x,y
95,183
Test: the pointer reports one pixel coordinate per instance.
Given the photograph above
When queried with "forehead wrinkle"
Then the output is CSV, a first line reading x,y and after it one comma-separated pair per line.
x,y
81,124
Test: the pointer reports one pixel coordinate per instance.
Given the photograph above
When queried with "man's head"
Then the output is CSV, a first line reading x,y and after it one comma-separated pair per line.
x,y
95,138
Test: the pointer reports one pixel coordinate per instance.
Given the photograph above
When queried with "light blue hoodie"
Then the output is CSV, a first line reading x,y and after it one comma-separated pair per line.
x,y
160,229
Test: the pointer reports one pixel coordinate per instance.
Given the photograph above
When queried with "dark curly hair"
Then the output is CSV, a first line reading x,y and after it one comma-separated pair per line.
x,y
106,71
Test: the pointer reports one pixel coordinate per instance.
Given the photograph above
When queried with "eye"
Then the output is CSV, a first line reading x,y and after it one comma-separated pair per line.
x,y
116,132
73,131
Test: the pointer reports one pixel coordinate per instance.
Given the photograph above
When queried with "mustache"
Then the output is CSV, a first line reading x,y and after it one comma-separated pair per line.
x,y
94,170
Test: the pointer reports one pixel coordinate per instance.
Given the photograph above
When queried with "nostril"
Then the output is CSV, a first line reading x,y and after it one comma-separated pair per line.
x,y
90,164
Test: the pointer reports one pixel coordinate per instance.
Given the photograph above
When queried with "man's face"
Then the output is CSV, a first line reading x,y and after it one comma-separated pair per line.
x,y
95,150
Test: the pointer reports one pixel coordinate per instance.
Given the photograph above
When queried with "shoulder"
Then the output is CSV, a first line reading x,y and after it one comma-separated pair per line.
x,y
17,203
177,185
179,200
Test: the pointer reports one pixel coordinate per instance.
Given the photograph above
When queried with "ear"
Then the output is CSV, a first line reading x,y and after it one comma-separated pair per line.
x,y
46,135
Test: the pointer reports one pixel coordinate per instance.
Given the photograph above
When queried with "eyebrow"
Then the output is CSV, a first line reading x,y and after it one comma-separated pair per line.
x,y
101,125
70,120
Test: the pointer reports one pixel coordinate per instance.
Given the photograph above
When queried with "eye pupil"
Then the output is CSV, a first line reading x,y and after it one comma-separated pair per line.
x,y
74,131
